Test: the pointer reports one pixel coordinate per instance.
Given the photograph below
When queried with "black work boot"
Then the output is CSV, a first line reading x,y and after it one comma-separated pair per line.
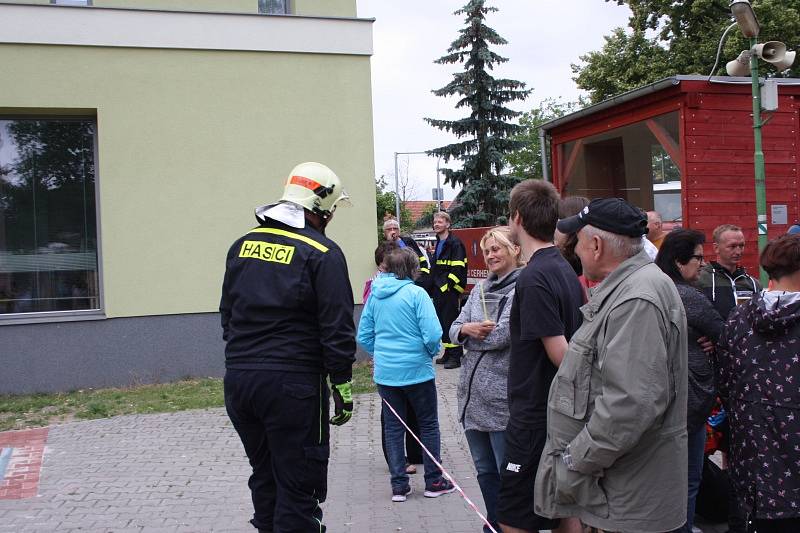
x,y
453,362
443,359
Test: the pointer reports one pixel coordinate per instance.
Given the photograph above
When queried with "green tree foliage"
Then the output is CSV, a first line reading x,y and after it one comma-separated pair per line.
x,y
487,132
526,163
625,62
665,38
385,202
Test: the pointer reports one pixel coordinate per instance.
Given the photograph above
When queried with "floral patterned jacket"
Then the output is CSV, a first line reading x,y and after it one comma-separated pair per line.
x,y
758,374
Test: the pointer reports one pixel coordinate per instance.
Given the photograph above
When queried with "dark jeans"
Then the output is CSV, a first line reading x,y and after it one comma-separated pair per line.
x,y
696,445
422,398
282,420
487,450
413,449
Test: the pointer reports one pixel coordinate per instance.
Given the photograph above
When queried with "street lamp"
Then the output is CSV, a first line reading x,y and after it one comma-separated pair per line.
x,y
745,17
772,52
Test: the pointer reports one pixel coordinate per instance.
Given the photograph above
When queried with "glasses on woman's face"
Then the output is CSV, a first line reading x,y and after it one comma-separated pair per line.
x,y
700,258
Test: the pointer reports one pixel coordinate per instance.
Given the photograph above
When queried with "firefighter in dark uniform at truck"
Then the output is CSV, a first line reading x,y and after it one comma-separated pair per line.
x,y
287,319
447,281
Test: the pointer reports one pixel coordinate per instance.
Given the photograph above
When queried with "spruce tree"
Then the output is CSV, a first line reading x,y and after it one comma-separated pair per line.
x,y
487,132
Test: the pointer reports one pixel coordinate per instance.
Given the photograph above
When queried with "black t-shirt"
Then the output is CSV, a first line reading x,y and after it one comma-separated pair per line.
x,y
546,304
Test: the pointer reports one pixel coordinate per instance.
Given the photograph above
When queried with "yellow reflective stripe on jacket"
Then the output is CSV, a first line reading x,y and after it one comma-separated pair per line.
x,y
447,262
454,277
443,288
449,345
459,289
291,235
425,270
422,258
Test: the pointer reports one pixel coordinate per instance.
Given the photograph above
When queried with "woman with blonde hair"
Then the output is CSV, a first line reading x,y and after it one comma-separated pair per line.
x,y
483,329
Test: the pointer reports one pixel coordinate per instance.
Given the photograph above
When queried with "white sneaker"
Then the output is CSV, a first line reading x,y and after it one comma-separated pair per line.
x,y
401,496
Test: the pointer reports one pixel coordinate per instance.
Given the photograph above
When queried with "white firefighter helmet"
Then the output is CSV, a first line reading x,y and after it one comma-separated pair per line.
x,y
314,187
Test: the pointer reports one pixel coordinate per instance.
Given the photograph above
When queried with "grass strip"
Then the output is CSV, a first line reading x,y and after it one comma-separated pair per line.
x,y
35,410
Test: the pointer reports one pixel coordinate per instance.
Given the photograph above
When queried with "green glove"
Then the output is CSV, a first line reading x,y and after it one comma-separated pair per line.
x,y
342,403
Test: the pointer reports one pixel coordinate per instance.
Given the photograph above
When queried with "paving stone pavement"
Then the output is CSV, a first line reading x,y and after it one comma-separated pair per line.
x,y
186,472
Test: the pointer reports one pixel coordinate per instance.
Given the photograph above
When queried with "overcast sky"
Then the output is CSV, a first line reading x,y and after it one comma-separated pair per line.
x,y
544,38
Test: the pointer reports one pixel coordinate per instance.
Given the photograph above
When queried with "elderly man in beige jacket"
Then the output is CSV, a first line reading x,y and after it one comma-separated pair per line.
x,y
616,423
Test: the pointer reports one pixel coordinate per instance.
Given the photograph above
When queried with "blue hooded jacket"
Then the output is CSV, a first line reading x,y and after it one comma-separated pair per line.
x,y
400,329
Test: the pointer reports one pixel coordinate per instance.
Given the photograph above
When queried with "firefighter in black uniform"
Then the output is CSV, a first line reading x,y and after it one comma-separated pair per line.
x,y
287,319
448,279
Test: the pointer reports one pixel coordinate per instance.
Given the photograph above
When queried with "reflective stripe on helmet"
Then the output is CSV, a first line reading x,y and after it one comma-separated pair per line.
x,y
308,183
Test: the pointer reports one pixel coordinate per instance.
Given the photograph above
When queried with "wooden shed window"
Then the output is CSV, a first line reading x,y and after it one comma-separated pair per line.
x,y
639,162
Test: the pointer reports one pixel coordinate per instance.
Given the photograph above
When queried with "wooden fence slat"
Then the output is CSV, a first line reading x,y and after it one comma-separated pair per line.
x,y
727,142
773,170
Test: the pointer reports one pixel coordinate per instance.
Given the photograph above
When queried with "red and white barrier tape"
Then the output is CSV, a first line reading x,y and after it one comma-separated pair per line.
x,y
445,472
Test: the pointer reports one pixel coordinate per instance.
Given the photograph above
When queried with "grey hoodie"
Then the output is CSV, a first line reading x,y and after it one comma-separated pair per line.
x,y
482,389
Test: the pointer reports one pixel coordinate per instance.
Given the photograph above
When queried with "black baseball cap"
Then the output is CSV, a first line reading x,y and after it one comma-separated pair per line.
x,y
610,214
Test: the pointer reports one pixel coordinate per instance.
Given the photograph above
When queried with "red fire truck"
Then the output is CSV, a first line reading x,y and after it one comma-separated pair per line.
x,y
476,266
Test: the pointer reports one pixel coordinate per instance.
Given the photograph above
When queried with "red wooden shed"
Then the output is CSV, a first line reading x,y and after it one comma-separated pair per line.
x,y
684,147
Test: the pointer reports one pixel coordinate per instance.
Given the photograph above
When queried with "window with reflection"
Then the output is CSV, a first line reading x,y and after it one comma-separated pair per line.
x,y
639,162
273,7
48,222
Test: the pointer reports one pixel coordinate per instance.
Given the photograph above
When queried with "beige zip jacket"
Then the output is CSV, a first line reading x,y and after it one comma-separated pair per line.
x,y
617,408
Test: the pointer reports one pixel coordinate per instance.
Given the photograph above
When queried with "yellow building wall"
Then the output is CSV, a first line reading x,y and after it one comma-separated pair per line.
x,y
189,142
225,6
324,8
316,8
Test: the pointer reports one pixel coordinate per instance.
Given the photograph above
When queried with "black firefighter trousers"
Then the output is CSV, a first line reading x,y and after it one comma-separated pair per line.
x,y
282,419
446,305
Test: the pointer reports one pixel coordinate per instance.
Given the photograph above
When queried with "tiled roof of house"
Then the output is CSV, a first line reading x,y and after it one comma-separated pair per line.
x,y
416,207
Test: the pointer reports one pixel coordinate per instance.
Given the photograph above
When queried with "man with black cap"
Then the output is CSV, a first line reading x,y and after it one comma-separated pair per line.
x,y
615,455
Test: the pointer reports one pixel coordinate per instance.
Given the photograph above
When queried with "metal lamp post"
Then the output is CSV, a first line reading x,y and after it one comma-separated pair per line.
x,y
758,160
746,19
438,186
